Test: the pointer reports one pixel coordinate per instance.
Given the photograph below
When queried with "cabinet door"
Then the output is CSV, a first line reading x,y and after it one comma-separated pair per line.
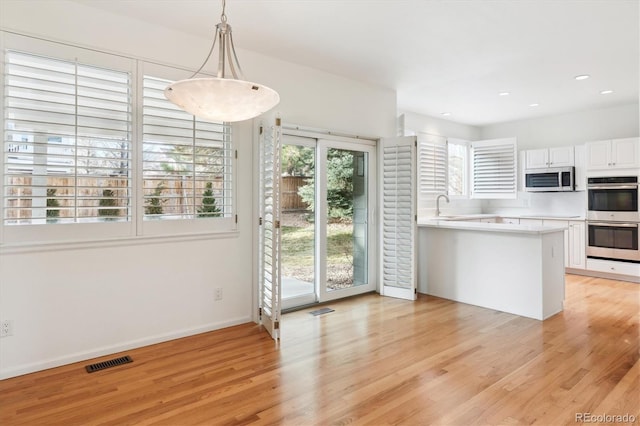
x,y
580,160
561,157
624,153
537,158
577,245
561,224
598,155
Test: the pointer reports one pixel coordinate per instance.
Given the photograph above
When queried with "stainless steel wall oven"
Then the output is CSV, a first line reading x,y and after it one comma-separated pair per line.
x,y
613,218
613,198
613,241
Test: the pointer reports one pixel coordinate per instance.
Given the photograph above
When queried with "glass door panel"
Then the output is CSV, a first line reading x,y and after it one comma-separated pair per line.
x,y
297,222
346,214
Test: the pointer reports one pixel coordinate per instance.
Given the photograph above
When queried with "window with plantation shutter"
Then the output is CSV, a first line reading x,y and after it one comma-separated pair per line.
x,y
187,162
432,164
493,167
67,142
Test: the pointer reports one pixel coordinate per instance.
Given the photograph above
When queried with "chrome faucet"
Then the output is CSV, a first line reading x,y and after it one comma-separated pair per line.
x,y
438,203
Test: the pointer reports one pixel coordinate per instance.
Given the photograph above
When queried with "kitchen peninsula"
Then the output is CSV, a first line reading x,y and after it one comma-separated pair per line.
x,y
517,269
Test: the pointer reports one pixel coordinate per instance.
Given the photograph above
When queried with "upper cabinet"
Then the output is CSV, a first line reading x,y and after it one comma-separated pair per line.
x,y
549,157
580,177
613,154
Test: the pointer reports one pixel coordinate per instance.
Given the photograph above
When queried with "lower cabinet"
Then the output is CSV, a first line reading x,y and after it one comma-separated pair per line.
x,y
561,224
574,242
577,245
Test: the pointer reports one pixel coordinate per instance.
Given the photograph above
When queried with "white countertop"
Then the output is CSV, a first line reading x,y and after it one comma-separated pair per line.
x,y
489,227
547,217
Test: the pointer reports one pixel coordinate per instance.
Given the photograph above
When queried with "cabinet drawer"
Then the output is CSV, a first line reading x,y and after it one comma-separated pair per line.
x,y
622,268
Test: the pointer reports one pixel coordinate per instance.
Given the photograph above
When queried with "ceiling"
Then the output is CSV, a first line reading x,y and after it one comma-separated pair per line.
x,y
441,56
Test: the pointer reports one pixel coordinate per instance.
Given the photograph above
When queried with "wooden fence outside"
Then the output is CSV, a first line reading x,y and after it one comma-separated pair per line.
x,y
290,199
176,195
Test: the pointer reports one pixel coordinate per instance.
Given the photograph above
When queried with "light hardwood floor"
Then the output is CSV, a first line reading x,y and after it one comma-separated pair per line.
x,y
373,361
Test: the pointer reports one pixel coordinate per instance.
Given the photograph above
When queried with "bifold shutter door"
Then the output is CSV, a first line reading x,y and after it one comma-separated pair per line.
x,y
269,275
398,218
494,169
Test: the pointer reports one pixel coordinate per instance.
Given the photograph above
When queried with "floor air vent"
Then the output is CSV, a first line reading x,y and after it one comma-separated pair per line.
x,y
107,364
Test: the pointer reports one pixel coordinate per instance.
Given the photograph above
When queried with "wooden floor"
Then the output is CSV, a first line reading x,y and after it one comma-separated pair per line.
x,y
373,361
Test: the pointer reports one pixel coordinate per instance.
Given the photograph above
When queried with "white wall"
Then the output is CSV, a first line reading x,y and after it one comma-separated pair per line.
x,y
569,129
71,303
437,126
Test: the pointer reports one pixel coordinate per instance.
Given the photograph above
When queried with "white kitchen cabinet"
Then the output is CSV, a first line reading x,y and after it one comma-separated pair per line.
x,y
550,157
561,224
613,154
577,245
580,161
613,267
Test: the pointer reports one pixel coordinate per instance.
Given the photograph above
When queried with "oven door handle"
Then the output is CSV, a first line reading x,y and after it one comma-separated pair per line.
x,y
612,187
614,224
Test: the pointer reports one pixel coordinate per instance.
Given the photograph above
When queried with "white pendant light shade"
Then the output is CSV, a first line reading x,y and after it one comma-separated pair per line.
x,y
222,99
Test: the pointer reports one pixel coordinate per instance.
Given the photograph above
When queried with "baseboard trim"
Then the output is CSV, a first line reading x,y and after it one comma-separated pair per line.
x,y
107,350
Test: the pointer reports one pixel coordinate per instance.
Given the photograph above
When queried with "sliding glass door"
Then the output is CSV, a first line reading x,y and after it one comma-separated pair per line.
x,y
327,217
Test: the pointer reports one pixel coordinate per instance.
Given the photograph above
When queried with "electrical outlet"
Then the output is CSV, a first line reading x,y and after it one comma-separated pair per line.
x,y
218,294
6,328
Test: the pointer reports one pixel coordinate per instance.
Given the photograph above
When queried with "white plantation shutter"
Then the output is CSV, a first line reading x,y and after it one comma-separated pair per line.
x,y
67,141
432,164
270,233
398,267
187,162
493,166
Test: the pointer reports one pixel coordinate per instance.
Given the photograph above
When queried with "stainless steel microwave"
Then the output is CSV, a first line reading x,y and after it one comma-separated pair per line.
x,y
550,180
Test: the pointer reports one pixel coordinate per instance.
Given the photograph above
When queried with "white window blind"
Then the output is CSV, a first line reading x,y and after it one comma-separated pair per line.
x,y
432,164
187,162
67,141
494,168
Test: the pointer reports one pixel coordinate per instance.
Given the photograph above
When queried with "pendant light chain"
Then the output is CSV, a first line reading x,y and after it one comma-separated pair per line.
x,y
223,17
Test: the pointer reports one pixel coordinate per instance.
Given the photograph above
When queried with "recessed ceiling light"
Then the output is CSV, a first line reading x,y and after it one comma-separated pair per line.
x,y
606,92
446,114
582,77
534,105
504,94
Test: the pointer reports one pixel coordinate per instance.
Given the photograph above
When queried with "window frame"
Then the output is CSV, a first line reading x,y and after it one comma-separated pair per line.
x,y
136,227
506,145
196,225
63,232
466,169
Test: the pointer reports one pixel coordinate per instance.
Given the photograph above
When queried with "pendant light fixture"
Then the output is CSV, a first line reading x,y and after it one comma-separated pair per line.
x,y
222,98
